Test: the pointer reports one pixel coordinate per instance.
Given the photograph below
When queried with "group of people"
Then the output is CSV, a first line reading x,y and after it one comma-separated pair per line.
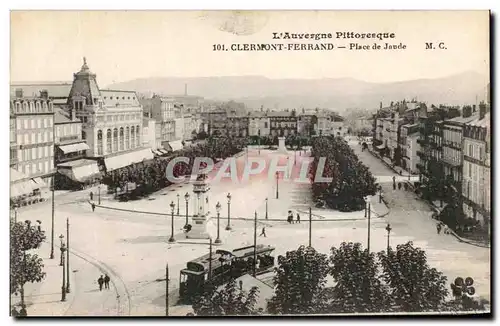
x,y
441,226
103,280
290,217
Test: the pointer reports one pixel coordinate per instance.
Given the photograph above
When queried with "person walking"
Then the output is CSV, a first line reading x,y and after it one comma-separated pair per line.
x,y
298,218
91,195
100,280
106,281
93,207
393,183
399,185
438,228
290,217
263,232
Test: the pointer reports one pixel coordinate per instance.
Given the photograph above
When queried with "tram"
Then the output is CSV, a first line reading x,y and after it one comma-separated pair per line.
x,y
225,266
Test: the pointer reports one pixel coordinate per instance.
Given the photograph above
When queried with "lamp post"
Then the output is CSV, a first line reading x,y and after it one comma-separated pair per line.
x,y
52,222
367,200
388,229
186,197
61,237
63,287
99,194
277,178
217,208
228,227
172,239
266,207
178,204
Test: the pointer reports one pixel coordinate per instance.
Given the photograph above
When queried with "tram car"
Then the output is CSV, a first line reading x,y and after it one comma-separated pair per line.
x,y
225,266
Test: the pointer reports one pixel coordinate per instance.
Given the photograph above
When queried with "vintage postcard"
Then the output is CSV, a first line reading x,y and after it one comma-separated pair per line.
x,y
220,163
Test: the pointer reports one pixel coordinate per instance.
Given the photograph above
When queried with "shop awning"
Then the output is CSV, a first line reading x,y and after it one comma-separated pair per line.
x,y
163,151
128,158
176,145
79,170
23,187
40,183
381,146
74,147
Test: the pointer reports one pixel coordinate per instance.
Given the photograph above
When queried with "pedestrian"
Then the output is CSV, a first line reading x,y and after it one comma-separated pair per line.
x,y
290,217
393,183
399,185
106,281
93,207
100,280
298,218
23,312
263,232
91,195
438,227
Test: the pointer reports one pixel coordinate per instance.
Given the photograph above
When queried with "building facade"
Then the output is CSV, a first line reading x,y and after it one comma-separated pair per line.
x,y
259,124
283,124
68,137
149,133
32,136
162,110
476,186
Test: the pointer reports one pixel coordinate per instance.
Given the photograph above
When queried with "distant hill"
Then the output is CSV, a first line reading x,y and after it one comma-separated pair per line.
x,y
339,94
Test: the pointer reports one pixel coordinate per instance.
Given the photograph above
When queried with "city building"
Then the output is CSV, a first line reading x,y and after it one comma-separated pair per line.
x,y
306,123
149,133
259,124
409,147
162,110
323,127
57,91
68,137
237,126
338,126
452,156
31,144
282,124
476,186
216,122
112,121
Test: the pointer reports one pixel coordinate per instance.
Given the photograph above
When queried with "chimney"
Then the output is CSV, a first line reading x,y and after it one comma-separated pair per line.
x,y
44,94
19,92
467,111
482,110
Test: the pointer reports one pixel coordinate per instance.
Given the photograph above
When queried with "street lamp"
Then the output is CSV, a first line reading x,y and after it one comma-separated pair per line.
x,y
388,229
266,208
61,237
178,204
277,178
217,208
228,227
186,197
172,239
368,203
63,287
99,194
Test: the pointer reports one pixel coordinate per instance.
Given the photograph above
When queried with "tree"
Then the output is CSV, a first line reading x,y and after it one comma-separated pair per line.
x,y
300,277
358,287
228,301
25,266
414,286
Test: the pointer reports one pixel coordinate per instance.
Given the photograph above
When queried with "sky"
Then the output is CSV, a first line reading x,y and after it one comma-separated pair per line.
x,y
124,45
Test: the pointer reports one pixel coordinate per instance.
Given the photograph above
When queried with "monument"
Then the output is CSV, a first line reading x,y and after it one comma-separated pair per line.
x,y
200,209
281,145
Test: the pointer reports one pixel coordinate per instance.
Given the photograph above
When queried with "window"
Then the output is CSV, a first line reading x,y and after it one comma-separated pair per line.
x,y
123,97
121,139
470,150
47,166
33,138
99,143
46,150
111,97
115,140
26,138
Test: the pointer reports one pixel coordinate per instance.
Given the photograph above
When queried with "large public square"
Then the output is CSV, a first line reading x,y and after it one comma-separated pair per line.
x,y
132,246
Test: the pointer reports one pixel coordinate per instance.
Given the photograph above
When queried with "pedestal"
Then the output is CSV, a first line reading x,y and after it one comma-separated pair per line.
x,y
198,228
281,145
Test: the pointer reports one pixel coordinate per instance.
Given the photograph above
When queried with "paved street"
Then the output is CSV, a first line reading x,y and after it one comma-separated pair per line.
x,y
411,220
132,247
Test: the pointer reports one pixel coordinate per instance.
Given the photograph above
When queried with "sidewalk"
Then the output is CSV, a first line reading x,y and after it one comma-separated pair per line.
x,y
397,169
436,206
44,298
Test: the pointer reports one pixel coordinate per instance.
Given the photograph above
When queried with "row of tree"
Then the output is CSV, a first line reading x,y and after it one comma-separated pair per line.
x,y
363,282
150,176
25,265
352,180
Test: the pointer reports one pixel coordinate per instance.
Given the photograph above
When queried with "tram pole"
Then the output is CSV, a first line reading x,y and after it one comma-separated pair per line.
x,y
310,226
255,245
210,261
166,290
